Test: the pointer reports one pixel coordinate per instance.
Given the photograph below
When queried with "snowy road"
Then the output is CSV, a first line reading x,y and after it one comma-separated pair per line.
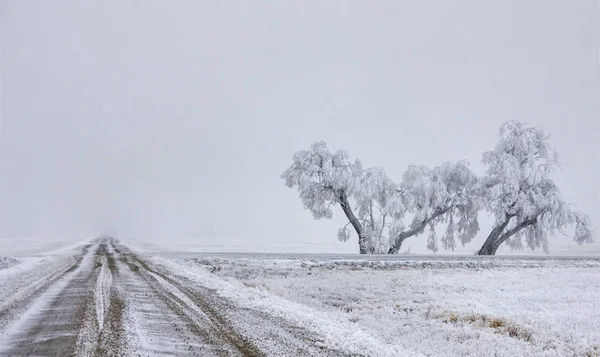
x,y
110,298
110,302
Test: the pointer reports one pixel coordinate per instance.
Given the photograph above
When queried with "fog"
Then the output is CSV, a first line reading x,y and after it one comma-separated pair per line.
x,y
160,119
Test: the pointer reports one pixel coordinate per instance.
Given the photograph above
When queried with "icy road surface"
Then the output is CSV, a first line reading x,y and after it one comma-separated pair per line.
x,y
111,298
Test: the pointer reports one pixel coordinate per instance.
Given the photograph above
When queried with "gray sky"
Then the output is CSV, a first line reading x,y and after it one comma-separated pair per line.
x,y
169,119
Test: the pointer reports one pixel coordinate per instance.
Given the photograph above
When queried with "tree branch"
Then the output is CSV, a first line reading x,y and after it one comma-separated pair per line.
x,y
417,230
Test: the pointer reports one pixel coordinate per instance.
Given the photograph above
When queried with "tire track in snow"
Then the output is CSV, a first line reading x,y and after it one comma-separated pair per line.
x,y
192,330
112,339
112,303
273,333
252,332
107,303
92,340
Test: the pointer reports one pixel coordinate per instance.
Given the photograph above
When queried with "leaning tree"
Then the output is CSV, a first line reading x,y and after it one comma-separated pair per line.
x,y
379,205
444,194
519,193
369,199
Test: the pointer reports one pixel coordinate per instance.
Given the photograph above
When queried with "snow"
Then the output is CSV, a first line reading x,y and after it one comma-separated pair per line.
x,y
12,270
102,292
7,262
438,306
337,332
327,244
237,245
31,246
34,311
375,305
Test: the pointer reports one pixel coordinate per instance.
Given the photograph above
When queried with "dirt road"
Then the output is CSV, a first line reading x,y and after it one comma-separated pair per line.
x,y
108,301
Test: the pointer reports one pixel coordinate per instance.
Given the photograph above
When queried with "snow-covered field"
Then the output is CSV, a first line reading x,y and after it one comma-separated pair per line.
x,y
36,246
560,246
128,293
437,306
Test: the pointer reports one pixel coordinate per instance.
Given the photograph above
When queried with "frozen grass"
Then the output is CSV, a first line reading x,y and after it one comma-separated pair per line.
x,y
327,330
7,262
560,246
439,307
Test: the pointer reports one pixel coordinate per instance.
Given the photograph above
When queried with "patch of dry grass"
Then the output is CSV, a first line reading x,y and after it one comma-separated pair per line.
x,y
500,325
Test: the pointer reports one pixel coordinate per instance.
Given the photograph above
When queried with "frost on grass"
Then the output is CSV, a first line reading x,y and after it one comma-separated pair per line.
x,y
439,306
327,329
7,262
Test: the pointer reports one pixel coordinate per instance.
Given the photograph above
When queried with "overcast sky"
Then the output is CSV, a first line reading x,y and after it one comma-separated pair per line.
x,y
176,118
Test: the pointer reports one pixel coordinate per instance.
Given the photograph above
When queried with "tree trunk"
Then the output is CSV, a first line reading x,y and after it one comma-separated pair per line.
x,y
399,240
491,243
395,248
363,243
496,237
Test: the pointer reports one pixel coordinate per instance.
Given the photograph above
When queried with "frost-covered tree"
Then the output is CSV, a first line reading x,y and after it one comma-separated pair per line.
x,y
518,192
379,206
444,194
325,179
